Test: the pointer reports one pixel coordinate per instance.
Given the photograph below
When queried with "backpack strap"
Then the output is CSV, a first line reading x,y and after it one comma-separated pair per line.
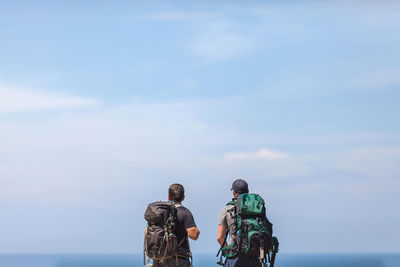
x,y
144,246
275,250
223,244
189,256
230,203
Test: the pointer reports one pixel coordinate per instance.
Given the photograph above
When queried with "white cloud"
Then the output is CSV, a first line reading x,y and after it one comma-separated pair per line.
x,y
18,100
179,16
189,83
262,154
363,163
371,13
221,41
70,152
375,161
378,80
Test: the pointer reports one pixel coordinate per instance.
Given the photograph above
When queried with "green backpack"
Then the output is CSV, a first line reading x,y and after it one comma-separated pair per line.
x,y
252,231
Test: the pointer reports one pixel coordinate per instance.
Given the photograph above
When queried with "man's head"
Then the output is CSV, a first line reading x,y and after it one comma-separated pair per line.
x,y
240,186
176,192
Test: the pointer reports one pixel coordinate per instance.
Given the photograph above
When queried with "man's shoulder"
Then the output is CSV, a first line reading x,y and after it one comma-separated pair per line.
x,y
179,206
228,207
182,209
226,215
185,216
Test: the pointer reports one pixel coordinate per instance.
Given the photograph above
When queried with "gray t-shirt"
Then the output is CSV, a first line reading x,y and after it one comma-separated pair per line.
x,y
226,219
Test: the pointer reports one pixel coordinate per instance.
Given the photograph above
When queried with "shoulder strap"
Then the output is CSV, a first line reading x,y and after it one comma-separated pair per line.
x,y
232,202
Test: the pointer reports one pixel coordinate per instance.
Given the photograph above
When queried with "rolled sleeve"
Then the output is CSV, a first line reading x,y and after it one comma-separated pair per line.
x,y
189,220
222,217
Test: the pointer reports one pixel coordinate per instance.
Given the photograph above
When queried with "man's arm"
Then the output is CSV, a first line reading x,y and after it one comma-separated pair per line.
x,y
190,226
221,234
193,232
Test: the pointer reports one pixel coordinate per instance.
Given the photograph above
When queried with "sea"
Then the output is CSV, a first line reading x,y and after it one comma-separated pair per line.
x,y
202,260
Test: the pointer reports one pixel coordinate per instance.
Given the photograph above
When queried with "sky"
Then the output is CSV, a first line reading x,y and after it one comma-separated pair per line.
x,y
104,104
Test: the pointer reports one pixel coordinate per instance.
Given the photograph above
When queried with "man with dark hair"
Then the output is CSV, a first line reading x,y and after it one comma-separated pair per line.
x,y
185,227
226,224
176,192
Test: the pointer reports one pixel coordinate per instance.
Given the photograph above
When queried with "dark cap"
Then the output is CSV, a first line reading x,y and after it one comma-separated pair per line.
x,y
240,186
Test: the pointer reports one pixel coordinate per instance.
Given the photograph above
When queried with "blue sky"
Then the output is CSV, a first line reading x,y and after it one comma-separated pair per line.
x,y
104,105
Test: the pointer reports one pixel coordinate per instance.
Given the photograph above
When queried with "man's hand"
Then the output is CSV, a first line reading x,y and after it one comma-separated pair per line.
x,y
221,234
193,232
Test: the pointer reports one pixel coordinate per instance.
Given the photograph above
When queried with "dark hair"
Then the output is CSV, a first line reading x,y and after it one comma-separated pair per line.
x,y
176,192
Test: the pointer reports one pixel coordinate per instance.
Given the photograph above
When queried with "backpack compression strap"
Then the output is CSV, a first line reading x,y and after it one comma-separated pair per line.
x,y
189,256
274,251
226,233
220,249
145,248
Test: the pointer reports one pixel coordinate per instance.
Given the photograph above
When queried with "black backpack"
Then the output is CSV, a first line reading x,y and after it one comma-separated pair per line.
x,y
160,240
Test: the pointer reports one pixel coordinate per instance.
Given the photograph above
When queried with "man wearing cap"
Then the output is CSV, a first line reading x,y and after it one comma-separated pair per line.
x,y
225,226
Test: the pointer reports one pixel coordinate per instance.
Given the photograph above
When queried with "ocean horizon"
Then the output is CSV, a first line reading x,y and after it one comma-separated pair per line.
x,y
199,260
